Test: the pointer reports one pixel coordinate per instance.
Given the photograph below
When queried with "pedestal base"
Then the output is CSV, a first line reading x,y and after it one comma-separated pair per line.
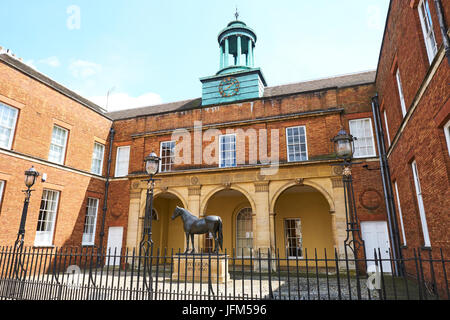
x,y
198,267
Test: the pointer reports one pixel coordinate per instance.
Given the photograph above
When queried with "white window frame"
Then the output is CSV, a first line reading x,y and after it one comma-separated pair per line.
x,y
388,136
400,215
5,108
299,144
45,238
286,238
423,218
91,212
95,160
118,174
447,135
359,139
427,29
248,234
400,92
221,137
2,188
62,156
171,157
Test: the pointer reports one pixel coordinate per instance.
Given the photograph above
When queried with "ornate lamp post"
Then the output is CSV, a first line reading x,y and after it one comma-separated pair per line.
x,y
30,179
152,162
18,271
343,145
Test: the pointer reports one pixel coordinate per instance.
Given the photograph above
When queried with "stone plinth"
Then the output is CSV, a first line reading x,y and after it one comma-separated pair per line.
x,y
196,267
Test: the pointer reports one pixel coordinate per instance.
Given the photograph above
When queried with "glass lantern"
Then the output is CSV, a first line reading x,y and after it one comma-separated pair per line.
x,y
152,163
343,145
30,177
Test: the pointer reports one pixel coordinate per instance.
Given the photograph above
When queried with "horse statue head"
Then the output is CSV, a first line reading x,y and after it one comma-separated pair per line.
x,y
177,212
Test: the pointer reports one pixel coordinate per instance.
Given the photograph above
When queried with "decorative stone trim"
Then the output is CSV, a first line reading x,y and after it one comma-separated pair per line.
x,y
262,186
194,190
337,182
227,185
135,195
299,181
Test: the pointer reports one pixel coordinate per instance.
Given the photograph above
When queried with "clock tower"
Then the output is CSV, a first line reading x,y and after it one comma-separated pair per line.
x,y
237,78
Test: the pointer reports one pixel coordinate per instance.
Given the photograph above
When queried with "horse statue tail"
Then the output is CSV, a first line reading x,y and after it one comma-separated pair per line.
x,y
220,236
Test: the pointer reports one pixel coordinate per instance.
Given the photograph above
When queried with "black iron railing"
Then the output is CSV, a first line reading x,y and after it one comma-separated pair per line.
x,y
161,274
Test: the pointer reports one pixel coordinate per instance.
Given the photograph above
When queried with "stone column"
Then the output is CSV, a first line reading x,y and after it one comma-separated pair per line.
x,y
194,193
250,53
239,50
263,229
339,222
227,53
221,56
133,230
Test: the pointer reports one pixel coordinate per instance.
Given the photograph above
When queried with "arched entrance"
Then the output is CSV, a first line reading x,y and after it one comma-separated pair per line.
x,y
303,221
166,233
236,212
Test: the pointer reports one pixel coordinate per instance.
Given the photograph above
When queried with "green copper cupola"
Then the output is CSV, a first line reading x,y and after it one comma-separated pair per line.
x,y
237,78
237,43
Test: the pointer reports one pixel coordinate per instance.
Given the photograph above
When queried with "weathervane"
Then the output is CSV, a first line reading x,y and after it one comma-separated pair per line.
x,y
236,14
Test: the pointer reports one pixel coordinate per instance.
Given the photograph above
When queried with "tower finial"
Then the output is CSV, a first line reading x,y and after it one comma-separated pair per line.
x,y
236,14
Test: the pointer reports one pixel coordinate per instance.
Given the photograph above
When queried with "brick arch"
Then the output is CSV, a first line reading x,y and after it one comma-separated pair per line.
x,y
312,184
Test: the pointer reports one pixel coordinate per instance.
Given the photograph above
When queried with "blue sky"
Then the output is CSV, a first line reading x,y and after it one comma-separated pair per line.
x,y
155,51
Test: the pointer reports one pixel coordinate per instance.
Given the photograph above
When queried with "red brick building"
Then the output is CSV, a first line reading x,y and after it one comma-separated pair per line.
x,y
413,87
298,206
413,107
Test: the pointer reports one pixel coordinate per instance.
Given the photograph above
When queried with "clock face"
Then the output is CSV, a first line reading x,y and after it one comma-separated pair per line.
x,y
229,87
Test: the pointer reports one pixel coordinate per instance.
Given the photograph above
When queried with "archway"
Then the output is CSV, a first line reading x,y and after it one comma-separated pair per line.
x,y
236,211
303,223
167,234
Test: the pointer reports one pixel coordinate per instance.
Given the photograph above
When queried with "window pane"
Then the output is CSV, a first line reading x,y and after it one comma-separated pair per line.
x,y
123,157
58,145
8,117
294,241
47,217
167,155
296,144
90,221
2,187
97,158
244,232
364,146
227,151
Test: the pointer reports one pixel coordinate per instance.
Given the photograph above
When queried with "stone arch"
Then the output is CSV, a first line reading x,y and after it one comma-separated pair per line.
x,y
173,192
204,200
312,184
163,203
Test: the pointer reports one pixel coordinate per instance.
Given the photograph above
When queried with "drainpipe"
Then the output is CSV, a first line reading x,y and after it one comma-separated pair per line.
x,y
387,189
445,37
105,201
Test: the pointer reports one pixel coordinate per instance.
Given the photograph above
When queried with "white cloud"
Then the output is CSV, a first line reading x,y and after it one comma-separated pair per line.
x,y
84,69
121,101
51,61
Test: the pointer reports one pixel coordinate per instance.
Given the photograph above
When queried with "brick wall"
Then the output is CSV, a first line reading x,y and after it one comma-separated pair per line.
x,y
422,138
40,107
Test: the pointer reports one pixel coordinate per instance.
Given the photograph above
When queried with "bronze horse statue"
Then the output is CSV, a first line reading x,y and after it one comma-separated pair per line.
x,y
194,225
